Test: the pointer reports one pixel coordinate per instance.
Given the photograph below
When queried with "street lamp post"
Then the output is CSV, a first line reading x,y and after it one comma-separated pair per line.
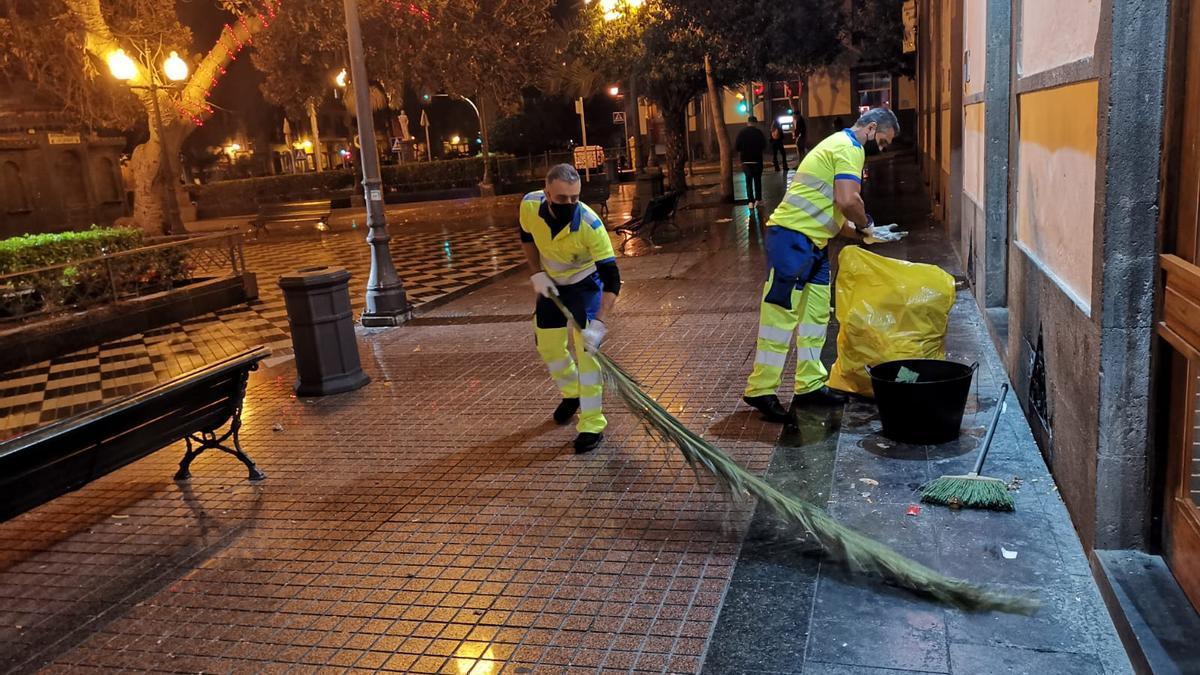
x,y
587,172
615,92
613,10
485,186
387,303
125,69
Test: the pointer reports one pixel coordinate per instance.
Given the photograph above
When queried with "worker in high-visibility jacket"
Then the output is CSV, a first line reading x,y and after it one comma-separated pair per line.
x,y
570,256
822,201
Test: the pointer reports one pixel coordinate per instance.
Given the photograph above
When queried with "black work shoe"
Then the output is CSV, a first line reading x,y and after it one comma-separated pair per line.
x,y
823,396
586,441
566,410
769,406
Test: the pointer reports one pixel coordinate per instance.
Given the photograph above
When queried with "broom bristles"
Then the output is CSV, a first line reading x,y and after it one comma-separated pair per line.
x,y
970,491
859,552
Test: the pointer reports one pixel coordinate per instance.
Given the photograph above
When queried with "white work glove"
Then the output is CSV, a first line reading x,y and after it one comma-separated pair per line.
x,y
543,285
594,334
882,234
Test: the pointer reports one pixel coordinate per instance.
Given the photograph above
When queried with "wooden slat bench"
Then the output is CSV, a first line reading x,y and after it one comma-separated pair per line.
x,y
290,214
203,408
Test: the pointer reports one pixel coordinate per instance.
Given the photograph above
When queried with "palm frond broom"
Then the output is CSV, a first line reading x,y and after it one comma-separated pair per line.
x,y
860,553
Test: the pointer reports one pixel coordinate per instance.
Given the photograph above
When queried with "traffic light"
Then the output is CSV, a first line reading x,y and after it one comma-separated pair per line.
x,y
743,108
426,98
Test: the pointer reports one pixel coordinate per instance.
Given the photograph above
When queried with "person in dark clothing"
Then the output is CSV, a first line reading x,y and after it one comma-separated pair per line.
x,y
778,148
750,144
800,133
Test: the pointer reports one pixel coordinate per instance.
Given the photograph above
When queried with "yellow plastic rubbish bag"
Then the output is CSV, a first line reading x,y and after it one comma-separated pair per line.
x,y
887,309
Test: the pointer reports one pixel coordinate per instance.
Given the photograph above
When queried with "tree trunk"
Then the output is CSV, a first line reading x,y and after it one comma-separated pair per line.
x,y
674,121
486,184
717,110
150,180
633,120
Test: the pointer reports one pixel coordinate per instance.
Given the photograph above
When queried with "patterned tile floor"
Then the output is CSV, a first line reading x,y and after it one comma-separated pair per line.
x,y
436,521
433,260
432,522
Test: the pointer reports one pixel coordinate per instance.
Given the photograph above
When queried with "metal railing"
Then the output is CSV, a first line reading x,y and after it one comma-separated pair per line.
x,y
167,263
534,167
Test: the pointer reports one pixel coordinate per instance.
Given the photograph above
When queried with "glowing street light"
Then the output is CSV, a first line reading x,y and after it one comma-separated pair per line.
x,y
340,79
614,91
175,68
615,9
122,67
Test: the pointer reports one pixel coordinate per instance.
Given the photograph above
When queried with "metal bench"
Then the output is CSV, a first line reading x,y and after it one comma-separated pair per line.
x,y
290,213
202,408
659,211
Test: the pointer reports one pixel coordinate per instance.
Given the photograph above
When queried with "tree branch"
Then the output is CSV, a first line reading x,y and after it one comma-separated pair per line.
x,y
100,42
98,39
238,32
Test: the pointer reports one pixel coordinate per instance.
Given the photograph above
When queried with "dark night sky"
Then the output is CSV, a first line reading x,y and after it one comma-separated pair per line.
x,y
242,112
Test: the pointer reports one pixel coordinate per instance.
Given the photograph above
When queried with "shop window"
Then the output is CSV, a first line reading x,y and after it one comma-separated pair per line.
x,y
874,90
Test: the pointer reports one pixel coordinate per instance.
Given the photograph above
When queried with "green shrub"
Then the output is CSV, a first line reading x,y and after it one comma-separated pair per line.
x,y
80,282
242,197
43,250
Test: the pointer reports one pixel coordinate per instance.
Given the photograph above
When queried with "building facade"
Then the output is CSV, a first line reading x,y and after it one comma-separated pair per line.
x,y
54,176
1059,144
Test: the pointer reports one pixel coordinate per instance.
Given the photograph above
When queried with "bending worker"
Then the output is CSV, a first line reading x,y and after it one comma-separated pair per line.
x,y
823,201
570,256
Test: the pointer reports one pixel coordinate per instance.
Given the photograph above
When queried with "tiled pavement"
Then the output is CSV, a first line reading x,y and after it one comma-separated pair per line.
x,y
436,521
434,260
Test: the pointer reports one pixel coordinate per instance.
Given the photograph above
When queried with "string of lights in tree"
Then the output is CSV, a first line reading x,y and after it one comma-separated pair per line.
x,y
230,45
412,9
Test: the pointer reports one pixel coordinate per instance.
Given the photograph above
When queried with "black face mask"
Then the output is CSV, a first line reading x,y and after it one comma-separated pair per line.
x,y
872,148
562,213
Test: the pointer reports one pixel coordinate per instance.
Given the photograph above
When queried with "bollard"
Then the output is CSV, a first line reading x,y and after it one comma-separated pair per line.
x,y
318,308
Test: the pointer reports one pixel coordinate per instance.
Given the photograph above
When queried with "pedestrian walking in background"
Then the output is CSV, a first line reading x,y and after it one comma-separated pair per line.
x,y
778,148
750,144
800,133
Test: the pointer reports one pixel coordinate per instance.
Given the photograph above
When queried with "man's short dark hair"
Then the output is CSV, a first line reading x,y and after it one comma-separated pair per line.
x,y
564,172
883,117
752,120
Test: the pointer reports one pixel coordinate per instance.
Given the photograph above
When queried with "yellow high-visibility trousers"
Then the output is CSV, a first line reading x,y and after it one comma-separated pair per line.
x,y
583,381
808,318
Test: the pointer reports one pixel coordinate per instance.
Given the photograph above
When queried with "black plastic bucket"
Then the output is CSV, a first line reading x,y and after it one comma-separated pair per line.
x,y
927,411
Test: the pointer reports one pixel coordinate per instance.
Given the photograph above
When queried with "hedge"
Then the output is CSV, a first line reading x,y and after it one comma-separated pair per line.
x,y
242,197
77,284
43,250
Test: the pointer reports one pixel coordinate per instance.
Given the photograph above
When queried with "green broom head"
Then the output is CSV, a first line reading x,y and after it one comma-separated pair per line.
x,y
859,553
971,491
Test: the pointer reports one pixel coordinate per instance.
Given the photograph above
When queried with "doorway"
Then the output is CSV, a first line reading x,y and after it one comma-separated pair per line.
x,y
1179,310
